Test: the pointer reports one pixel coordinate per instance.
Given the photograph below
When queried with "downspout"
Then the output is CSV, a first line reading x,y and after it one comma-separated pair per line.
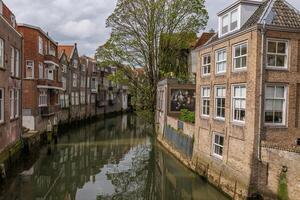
x,y
261,82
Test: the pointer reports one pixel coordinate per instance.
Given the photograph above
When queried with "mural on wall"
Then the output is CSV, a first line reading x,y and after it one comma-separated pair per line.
x,y
182,99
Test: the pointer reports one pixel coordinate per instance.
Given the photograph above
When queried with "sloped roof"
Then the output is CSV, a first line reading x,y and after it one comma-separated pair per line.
x,y
272,12
68,49
203,39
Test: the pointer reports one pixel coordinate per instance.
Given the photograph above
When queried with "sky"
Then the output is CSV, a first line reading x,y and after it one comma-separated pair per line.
x,y
83,21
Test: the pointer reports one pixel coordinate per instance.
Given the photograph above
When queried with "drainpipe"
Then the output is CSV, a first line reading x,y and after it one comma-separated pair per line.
x,y
261,82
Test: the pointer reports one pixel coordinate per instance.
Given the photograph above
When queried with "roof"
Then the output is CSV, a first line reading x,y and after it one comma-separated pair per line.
x,y
38,29
67,49
203,39
277,13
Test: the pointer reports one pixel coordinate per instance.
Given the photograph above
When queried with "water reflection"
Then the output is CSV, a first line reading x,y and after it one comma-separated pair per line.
x,y
110,159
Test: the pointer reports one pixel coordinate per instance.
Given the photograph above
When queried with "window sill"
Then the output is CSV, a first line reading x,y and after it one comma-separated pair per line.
x,y
241,70
236,123
219,119
221,74
283,69
276,126
205,117
217,157
205,76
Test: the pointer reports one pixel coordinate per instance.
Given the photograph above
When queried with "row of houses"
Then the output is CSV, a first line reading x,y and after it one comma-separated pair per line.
x,y
246,135
43,83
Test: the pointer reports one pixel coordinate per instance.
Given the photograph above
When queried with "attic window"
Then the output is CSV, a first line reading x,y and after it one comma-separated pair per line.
x,y
229,22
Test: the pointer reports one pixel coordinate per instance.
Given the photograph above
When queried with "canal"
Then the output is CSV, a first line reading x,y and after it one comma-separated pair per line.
x,y
115,158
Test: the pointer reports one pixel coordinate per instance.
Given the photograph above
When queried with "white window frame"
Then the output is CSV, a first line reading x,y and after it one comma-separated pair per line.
x,y
12,61
286,62
48,72
219,62
206,65
284,111
75,77
229,15
82,97
76,98
205,98
216,101
73,98
234,57
32,69
40,45
12,103
238,98
2,49
2,99
41,70
17,102
17,72
43,98
214,144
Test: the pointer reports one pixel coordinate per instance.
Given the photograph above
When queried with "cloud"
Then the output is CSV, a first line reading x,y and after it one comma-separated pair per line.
x,y
68,21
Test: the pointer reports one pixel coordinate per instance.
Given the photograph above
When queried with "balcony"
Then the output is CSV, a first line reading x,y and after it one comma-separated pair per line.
x,y
50,83
51,59
49,110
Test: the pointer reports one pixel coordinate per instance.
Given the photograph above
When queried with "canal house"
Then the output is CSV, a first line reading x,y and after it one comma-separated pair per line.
x,y
41,79
247,107
10,81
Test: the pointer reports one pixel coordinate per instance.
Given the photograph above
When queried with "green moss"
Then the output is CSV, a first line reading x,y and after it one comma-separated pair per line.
x,y
282,187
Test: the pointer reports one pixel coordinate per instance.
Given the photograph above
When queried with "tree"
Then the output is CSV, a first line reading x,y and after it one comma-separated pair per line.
x,y
137,27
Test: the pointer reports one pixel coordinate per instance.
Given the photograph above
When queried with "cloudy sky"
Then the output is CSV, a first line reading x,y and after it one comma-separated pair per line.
x,y
83,21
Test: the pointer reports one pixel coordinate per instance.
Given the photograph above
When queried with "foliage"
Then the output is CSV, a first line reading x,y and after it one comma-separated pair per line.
x,y
137,28
187,116
282,187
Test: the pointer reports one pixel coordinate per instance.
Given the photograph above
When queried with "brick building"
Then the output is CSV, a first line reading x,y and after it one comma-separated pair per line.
x,y
41,79
10,79
248,91
70,61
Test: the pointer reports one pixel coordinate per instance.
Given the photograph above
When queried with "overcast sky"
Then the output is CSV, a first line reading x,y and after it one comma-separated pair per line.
x,y
83,21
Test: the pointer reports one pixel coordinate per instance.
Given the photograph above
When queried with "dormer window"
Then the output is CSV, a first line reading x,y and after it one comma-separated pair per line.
x,y
229,22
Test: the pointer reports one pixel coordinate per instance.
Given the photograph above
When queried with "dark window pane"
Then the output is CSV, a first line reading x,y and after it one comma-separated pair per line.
x,y
269,117
225,29
244,61
271,60
281,47
237,63
233,25
244,49
243,115
278,117
272,47
237,51
280,61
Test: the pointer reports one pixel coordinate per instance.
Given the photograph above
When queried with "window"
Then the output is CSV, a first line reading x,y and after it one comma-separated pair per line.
x,y
83,68
82,97
41,71
234,20
29,69
205,95
77,98
41,45
220,95
82,84
64,69
62,101
12,61
275,104
240,56
277,54
221,56
1,53
239,103
75,63
218,145
225,24
72,98
74,80
43,98
229,22
88,99
50,74
12,103
206,65
17,103
1,105
17,63
93,83
64,83
88,82
93,99
67,101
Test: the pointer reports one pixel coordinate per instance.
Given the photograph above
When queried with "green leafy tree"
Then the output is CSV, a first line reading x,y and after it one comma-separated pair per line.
x,y
137,27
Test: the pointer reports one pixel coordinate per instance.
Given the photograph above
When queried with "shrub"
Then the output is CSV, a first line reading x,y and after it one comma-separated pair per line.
x,y
187,116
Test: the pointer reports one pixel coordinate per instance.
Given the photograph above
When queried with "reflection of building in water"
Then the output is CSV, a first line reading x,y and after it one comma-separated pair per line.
x,y
77,160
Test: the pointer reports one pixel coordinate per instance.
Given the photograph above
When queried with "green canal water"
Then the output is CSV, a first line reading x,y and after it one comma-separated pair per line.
x,y
114,158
